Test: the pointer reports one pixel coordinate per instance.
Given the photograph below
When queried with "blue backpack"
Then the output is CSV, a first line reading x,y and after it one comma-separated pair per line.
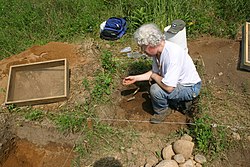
x,y
114,28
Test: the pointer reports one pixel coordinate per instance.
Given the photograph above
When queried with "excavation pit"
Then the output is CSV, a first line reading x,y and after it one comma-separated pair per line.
x,y
30,145
26,154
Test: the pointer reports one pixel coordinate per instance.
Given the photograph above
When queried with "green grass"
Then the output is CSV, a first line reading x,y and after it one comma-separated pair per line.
x,y
27,23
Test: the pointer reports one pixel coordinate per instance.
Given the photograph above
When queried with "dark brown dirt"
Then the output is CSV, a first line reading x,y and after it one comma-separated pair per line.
x,y
220,58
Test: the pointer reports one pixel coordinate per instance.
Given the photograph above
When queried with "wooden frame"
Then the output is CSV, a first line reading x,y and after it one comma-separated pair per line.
x,y
245,57
38,83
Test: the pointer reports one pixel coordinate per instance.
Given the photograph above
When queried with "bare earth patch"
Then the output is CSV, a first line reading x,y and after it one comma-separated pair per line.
x,y
229,85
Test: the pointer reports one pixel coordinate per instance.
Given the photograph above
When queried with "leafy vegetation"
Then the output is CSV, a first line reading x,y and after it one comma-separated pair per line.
x,y
104,78
26,23
210,139
34,114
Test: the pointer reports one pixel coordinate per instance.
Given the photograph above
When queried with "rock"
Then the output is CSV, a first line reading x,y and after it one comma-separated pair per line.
x,y
168,152
186,137
129,156
179,158
183,147
198,165
147,165
129,150
135,152
236,136
152,161
108,46
188,163
167,163
248,138
200,158
194,162
220,73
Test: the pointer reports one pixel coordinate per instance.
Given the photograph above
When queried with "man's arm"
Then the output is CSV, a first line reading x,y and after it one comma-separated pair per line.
x,y
157,78
132,79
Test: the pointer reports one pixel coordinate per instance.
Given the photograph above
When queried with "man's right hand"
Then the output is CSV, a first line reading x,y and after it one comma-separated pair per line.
x,y
129,80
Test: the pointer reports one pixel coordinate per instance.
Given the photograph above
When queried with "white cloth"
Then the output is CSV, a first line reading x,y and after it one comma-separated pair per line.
x,y
180,38
175,66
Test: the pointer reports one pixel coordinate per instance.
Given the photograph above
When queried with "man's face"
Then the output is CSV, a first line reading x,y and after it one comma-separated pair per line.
x,y
149,50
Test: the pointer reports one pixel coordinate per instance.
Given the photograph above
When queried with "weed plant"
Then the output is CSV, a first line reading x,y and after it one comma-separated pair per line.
x,y
27,23
29,113
104,78
34,114
70,121
139,66
209,137
210,140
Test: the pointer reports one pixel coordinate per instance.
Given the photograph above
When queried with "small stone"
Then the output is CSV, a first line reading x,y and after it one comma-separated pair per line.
x,y
200,158
129,150
167,163
108,46
179,158
248,138
198,165
188,163
220,73
129,156
236,136
168,152
147,165
183,147
152,161
135,152
186,137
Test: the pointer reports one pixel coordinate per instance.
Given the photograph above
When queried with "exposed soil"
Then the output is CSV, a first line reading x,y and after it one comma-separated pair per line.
x,y
220,58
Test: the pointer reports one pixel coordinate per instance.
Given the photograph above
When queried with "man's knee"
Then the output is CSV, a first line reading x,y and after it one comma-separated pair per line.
x,y
155,90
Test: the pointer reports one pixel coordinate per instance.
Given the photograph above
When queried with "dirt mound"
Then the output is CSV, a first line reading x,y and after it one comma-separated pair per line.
x,y
81,60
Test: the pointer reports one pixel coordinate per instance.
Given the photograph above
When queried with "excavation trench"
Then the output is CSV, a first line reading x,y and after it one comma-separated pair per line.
x,y
29,146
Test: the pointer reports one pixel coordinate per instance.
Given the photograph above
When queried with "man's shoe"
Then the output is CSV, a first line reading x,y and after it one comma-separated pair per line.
x,y
158,118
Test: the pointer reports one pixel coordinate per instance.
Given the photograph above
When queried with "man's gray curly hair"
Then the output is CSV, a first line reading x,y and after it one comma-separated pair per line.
x,y
148,34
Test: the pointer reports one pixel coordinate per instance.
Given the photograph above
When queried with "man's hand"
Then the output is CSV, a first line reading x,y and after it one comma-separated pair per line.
x,y
135,78
129,80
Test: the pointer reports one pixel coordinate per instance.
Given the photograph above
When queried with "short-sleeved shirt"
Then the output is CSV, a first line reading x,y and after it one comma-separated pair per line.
x,y
175,66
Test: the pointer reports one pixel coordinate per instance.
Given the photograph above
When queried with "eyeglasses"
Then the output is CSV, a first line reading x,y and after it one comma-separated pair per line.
x,y
143,48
